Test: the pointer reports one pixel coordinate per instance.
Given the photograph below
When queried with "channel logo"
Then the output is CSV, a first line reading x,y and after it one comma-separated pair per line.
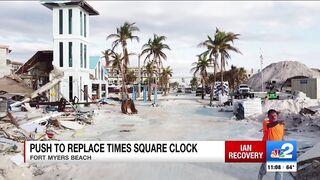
x,y
281,151
277,153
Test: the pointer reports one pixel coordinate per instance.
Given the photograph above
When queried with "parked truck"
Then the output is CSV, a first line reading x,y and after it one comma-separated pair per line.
x,y
243,91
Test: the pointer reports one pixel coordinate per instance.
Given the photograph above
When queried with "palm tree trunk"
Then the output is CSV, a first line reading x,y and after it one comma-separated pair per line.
x,y
124,90
149,89
123,66
166,86
165,89
214,81
118,85
159,70
202,91
222,64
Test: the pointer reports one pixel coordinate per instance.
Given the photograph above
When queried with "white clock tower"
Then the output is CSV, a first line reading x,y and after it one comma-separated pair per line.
x,y
71,46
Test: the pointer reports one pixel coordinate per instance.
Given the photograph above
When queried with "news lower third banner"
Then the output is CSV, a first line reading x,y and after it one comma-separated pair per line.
x,y
279,155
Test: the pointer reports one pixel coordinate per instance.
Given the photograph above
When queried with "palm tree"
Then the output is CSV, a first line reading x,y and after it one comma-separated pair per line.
x,y
150,70
153,50
220,45
241,75
213,52
165,75
235,76
115,61
106,55
194,83
201,67
131,77
223,40
232,76
211,78
124,33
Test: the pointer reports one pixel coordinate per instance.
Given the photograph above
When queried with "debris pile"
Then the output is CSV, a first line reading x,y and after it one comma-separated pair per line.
x,y
280,72
300,114
31,116
246,107
309,164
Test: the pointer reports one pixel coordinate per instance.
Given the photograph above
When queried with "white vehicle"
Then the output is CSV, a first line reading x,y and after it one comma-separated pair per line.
x,y
243,89
187,90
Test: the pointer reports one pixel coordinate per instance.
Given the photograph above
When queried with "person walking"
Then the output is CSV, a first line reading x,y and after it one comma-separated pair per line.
x,y
273,130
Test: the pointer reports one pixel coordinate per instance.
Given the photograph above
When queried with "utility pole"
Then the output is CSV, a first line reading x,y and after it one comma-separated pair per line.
x,y
261,65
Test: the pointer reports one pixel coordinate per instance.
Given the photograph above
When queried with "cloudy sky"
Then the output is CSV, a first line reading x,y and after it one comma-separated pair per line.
x,y
283,30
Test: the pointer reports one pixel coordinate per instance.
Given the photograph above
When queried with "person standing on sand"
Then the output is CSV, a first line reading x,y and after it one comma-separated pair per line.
x,y
273,130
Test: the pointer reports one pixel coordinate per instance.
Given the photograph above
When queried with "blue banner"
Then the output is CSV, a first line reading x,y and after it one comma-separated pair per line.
x,y
281,151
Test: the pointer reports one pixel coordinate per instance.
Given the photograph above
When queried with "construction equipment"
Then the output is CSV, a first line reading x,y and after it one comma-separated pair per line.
x,y
272,93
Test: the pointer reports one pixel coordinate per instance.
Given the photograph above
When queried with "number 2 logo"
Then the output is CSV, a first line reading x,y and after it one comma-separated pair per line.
x,y
288,147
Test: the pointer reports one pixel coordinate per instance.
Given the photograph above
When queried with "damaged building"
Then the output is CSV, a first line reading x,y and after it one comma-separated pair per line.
x,y
35,72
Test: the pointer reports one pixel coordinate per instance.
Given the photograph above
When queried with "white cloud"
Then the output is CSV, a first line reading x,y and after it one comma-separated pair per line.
x,y
277,27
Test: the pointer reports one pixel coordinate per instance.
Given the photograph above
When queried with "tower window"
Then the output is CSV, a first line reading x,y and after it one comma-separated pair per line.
x,y
61,54
85,56
70,88
60,21
85,25
70,21
70,54
81,29
81,56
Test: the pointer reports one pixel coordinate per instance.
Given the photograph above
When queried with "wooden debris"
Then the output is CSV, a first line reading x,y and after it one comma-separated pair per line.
x,y
38,172
66,118
42,119
309,171
7,145
71,125
12,119
307,111
55,123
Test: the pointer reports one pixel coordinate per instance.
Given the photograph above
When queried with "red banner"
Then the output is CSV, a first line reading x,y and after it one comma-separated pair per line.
x,y
245,151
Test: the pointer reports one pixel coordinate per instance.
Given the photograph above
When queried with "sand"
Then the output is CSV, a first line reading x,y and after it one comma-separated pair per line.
x,y
181,117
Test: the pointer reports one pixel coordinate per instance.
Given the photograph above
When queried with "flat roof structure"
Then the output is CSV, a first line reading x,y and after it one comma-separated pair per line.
x,y
83,4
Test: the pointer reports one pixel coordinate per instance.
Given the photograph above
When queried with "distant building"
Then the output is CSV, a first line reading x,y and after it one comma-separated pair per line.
x,y
184,81
13,65
310,86
115,80
251,71
4,68
99,77
7,66
143,75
